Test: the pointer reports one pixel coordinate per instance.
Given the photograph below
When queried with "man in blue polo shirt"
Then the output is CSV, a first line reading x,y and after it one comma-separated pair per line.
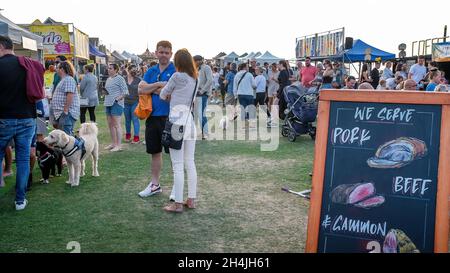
x,y
154,80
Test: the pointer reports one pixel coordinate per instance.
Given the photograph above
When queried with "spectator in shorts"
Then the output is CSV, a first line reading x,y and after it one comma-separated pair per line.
x,y
116,89
154,81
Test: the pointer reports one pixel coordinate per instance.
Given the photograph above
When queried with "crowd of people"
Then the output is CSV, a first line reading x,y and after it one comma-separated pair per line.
x,y
418,77
177,89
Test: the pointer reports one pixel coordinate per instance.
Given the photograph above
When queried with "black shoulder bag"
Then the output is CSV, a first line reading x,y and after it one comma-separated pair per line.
x,y
172,136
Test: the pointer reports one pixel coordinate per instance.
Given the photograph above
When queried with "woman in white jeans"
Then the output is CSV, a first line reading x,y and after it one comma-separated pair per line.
x,y
180,92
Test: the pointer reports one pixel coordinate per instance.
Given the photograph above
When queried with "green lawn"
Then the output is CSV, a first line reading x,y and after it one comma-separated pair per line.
x,y
241,207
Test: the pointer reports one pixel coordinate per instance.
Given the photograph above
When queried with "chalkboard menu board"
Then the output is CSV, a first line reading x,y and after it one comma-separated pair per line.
x,y
379,178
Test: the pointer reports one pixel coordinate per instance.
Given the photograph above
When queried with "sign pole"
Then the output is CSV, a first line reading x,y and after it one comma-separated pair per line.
x,y
442,225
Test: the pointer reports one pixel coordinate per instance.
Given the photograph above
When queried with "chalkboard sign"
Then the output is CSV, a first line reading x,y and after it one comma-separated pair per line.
x,y
377,174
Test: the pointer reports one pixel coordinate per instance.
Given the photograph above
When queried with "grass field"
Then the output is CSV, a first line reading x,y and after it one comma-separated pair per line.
x,y
241,207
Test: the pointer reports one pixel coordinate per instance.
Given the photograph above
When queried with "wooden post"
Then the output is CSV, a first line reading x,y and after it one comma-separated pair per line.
x,y
318,177
442,225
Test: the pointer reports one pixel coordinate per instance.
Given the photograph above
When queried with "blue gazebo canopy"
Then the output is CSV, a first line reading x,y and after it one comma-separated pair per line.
x,y
94,51
359,50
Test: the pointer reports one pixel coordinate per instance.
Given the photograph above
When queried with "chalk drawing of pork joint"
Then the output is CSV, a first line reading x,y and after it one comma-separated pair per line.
x,y
398,153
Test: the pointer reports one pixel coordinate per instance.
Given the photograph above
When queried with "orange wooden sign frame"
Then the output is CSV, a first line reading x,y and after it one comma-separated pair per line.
x,y
399,97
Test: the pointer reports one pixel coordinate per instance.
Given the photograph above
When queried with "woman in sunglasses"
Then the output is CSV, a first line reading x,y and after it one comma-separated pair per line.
x,y
66,102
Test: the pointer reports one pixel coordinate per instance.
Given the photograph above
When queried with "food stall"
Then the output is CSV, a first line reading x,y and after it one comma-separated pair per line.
x,y
25,43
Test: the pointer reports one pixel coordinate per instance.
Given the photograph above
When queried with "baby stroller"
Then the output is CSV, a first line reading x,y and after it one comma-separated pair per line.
x,y
301,111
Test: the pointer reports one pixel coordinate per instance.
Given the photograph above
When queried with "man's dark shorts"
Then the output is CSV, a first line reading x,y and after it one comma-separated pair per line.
x,y
154,127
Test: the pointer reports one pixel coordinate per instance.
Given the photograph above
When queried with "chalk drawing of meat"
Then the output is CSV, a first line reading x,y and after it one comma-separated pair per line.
x,y
397,241
398,153
361,195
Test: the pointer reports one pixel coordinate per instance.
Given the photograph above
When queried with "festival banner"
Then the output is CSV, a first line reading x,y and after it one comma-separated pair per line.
x,y
56,38
441,52
320,45
81,43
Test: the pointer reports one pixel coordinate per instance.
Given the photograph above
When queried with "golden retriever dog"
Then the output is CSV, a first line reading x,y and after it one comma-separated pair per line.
x,y
76,150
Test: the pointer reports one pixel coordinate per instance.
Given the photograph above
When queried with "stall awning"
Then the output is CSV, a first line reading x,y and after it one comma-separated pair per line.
x,y
361,52
95,52
19,35
364,52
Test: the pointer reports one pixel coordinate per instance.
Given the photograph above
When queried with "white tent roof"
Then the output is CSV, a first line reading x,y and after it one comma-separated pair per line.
x,y
16,33
119,56
251,55
268,57
230,57
133,57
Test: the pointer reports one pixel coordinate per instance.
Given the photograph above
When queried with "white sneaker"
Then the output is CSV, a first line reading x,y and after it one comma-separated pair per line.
x,y
21,206
149,191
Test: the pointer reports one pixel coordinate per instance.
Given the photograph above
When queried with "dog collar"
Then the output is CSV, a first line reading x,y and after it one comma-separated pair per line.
x,y
62,148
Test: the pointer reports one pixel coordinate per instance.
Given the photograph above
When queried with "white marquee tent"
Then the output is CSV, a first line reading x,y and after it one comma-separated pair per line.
x,y
267,57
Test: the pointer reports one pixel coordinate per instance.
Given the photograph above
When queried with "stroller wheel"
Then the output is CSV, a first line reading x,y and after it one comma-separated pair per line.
x,y
292,136
285,131
312,133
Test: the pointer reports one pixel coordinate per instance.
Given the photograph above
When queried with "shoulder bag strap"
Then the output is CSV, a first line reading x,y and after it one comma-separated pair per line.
x,y
239,83
192,102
